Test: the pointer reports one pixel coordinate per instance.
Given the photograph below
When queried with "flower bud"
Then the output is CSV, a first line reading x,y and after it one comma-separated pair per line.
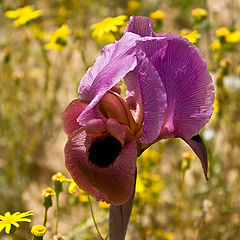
x,y
38,231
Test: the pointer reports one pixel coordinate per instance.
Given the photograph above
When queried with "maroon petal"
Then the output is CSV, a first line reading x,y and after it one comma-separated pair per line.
x,y
115,129
114,183
70,115
96,127
140,25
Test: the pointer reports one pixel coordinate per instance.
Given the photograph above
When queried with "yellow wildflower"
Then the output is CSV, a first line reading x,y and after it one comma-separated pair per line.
x,y
83,197
38,230
102,32
23,15
192,36
188,155
132,7
7,220
48,192
106,38
199,13
104,204
222,32
58,177
238,69
72,187
234,37
215,46
58,39
157,15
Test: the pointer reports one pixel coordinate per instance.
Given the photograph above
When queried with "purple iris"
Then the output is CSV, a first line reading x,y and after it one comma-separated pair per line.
x,y
169,95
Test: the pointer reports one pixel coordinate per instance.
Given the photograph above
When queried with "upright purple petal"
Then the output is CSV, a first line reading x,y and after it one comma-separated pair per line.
x,y
113,64
188,84
153,95
140,25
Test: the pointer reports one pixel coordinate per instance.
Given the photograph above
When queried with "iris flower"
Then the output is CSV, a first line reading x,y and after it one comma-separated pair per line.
x,y
169,95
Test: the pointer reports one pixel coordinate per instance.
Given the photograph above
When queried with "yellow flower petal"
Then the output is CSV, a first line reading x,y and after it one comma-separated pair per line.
x,y
7,228
157,15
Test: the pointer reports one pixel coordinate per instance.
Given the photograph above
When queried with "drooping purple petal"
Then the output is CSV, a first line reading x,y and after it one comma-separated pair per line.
x,y
153,95
114,63
70,115
119,218
189,88
114,183
140,25
198,146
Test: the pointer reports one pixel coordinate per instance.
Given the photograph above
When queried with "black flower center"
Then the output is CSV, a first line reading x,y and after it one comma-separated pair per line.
x,y
104,151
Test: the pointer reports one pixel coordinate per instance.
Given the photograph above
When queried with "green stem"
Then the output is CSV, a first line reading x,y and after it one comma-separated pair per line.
x,y
94,221
45,217
12,236
57,213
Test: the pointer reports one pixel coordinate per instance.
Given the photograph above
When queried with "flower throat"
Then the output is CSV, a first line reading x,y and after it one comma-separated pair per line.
x,y
104,151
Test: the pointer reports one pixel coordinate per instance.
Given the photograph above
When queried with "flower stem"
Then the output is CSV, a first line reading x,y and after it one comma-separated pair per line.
x,y
94,220
57,213
45,217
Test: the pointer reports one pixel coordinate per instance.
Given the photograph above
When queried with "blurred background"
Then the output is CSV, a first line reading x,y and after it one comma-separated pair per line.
x,y
45,49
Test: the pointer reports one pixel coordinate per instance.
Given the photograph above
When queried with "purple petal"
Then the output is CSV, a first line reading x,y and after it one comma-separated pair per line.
x,y
153,95
198,146
115,183
70,115
119,218
114,63
140,25
189,88
133,98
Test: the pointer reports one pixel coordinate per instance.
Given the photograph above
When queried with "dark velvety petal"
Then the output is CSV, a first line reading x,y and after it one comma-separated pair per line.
x,y
153,96
75,154
140,25
119,218
198,146
190,92
113,64
114,183
70,115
